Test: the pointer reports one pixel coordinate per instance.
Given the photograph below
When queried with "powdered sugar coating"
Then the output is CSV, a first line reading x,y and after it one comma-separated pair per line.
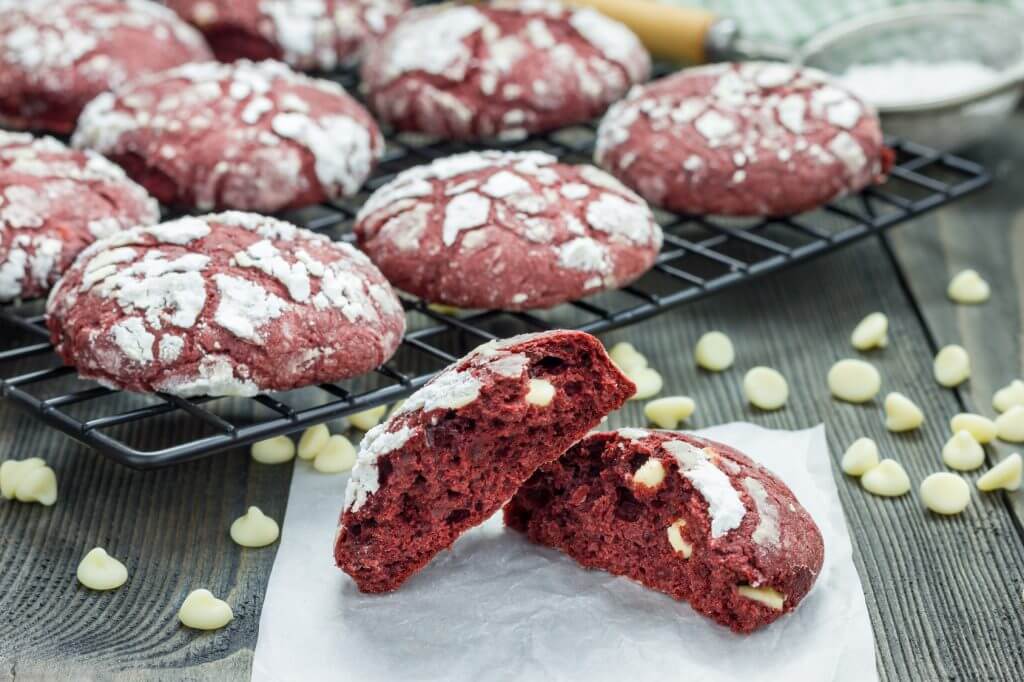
x,y
755,138
724,505
513,230
54,201
309,35
501,69
56,55
248,135
183,308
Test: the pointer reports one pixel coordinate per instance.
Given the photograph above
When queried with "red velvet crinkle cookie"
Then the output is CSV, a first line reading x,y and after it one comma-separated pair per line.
x,y
226,304
459,448
307,34
56,55
755,138
511,230
248,135
54,201
686,516
501,69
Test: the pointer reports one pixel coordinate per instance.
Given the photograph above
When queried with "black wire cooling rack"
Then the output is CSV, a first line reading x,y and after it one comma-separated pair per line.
x,y
701,256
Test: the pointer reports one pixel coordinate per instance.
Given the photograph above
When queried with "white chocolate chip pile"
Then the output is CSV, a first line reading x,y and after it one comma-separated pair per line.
x,y
952,366
100,571
887,479
963,452
338,455
765,388
633,364
367,419
1008,396
1004,476
981,428
202,611
714,352
1010,425
968,287
854,381
668,412
255,529
275,450
901,414
860,457
945,493
871,332
28,480
313,441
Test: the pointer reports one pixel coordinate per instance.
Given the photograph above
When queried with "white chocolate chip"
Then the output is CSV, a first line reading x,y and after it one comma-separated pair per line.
x,y
275,450
765,388
901,414
887,479
1008,396
255,529
945,493
765,595
650,474
12,470
968,287
202,611
666,413
1010,425
396,408
443,309
367,419
714,352
675,538
854,381
313,441
648,383
100,571
860,457
963,452
1004,476
984,430
626,357
871,332
540,393
339,455
952,366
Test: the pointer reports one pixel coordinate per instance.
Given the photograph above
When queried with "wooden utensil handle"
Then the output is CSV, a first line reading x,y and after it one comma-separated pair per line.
x,y
668,31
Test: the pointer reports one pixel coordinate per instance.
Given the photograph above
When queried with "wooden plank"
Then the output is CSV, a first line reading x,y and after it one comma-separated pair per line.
x,y
924,577
985,232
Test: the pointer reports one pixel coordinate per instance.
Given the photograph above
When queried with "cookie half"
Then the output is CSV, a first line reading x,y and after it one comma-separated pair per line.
x,y
745,139
682,515
322,35
500,69
232,304
510,230
460,447
56,55
54,202
249,135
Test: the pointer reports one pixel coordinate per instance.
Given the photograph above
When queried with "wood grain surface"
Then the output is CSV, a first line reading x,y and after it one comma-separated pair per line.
x,y
944,594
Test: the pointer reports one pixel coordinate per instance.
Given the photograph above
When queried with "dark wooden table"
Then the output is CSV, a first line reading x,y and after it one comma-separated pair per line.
x,y
944,594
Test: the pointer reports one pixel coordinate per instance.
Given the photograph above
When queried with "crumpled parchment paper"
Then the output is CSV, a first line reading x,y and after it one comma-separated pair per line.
x,y
497,607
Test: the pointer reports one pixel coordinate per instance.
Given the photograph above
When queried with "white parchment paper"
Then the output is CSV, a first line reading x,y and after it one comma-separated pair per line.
x,y
497,607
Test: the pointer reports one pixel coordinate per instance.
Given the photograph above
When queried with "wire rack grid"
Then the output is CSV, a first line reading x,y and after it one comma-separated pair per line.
x,y
701,255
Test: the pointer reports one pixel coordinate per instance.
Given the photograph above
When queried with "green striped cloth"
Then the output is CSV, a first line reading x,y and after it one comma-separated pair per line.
x,y
791,22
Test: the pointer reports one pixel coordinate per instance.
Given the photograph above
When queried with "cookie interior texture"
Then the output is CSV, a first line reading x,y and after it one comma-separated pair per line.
x,y
691,518
461,446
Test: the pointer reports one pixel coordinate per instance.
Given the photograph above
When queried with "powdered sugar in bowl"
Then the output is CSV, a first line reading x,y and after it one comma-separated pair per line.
x,y
943,75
